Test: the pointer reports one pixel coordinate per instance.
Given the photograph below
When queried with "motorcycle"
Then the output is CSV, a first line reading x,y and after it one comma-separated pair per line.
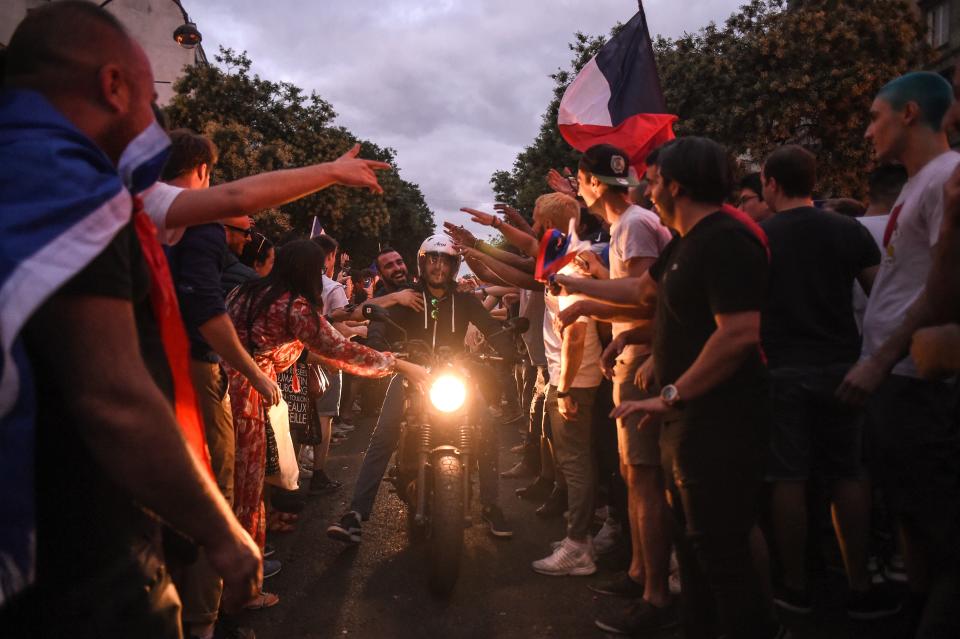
x,y
437,450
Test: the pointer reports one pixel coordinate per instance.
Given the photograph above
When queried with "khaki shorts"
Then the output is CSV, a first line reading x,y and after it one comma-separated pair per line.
x,y
638,447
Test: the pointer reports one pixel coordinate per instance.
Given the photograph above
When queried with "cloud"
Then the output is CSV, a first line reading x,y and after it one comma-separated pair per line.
x,y
456,87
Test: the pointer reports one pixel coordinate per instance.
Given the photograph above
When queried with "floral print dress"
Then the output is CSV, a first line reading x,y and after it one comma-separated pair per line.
x,y
277,343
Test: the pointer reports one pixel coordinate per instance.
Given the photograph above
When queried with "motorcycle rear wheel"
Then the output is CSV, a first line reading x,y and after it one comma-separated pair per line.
x,y
446,524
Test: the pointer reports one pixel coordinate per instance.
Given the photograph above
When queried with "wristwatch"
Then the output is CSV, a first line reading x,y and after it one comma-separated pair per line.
x,y
671,396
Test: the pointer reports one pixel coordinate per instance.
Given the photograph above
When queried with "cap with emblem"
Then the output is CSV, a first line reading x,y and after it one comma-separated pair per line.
x,y
608,164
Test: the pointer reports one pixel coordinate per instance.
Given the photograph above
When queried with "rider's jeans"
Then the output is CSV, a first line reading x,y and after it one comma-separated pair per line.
x,y
386,436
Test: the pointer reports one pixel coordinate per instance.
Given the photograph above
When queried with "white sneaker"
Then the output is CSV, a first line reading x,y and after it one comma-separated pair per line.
x,y
593,551
674,580
605,540
568,558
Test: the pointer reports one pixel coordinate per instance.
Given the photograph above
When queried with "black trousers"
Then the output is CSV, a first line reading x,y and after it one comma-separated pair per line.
x,y
714,471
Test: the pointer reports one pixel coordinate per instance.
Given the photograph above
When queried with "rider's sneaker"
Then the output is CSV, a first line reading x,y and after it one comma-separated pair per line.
x,y
568,558
347,529
497,523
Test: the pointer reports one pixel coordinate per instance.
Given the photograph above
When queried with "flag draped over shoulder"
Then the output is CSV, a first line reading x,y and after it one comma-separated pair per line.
x,y
616,98
62,201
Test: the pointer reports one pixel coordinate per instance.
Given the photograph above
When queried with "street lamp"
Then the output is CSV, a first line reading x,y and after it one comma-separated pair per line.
x,y
186,35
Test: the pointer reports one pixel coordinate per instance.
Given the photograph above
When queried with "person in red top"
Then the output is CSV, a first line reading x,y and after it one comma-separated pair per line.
x,y
276,318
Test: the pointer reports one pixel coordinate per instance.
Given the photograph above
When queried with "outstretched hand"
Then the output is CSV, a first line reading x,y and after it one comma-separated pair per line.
x,y
562,183
649,407
356,172
459,234
480,217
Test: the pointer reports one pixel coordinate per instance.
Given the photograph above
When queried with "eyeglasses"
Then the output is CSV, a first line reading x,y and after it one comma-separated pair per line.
x,y
263,240
434,304
247,232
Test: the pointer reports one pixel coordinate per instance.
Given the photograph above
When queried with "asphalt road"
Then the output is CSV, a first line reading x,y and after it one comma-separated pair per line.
x,y
378,589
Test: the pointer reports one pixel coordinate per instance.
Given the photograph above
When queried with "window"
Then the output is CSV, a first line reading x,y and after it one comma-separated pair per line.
x,y
938,24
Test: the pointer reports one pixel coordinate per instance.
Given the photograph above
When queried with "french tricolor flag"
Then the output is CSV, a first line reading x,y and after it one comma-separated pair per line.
x,y
616,98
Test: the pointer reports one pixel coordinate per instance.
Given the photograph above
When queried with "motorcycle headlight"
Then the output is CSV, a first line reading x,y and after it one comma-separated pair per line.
x,y
448,393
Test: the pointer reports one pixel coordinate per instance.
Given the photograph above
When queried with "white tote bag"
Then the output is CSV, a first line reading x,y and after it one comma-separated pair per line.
x,y
289,476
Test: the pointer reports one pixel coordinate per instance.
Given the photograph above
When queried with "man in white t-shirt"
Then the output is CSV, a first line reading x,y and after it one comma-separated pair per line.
x,y
636,239
573,364
917,451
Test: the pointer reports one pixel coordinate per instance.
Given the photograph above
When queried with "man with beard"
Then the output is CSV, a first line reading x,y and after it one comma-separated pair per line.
x,y
705,293
442,322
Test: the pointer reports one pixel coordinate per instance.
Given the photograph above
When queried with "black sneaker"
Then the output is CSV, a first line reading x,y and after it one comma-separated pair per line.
x,y
796,601
268,549
537,491
555,505
227,628
638,618
347,529
876,603
623,586
271,567
497,523
320,483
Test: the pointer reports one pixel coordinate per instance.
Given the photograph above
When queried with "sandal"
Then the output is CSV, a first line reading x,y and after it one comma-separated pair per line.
x,y
278,525
262,600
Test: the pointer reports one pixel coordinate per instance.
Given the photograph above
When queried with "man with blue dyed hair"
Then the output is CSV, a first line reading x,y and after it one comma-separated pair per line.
x,y
916,448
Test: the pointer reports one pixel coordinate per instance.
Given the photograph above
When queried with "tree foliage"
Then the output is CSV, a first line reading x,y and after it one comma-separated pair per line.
x,y
776,72
259,125
803,72
525,182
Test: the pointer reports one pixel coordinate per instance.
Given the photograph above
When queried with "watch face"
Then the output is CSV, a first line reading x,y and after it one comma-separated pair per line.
x,y
670,394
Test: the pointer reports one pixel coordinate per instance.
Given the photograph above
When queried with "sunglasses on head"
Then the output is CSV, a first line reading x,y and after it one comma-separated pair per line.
x,y
248,232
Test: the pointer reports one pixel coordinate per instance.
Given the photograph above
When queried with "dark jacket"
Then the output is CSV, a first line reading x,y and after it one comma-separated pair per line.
x,y
454,313
235,272
196,262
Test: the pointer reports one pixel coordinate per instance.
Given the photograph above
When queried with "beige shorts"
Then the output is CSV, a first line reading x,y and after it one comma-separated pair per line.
x,y
638,447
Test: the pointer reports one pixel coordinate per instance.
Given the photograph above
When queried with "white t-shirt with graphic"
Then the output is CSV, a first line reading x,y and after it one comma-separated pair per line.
x,y
907,255
334,295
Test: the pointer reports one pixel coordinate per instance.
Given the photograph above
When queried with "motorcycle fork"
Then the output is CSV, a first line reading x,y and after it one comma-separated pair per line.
x,y
466,458
423,462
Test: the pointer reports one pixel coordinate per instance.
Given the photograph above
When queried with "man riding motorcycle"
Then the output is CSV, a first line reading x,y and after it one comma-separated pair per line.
x,y
442,323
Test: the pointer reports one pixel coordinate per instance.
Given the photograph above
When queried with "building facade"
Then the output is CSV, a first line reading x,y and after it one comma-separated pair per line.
x,y
151,22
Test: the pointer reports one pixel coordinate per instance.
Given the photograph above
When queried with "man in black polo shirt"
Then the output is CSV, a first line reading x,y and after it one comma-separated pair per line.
x,y
706,291
811,340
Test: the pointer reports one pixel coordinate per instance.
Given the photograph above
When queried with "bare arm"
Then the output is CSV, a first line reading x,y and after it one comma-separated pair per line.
x,y
222,336
571,356
526,243
625,291
507,273
482,270
90,345
866,278
253,194
736,337
867,375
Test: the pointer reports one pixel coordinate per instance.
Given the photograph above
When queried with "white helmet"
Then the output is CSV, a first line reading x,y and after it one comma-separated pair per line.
x,y
437,244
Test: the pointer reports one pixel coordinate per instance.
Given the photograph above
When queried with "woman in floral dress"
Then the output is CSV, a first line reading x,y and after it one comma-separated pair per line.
x,y
276,318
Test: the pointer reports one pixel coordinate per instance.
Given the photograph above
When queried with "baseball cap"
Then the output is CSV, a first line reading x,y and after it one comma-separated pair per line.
x,y
608,164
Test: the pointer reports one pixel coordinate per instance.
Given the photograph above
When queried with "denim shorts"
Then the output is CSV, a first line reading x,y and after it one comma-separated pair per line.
x,y
328,404
811,430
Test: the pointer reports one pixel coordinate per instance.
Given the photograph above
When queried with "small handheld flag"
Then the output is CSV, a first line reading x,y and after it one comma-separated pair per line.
x,y
557,250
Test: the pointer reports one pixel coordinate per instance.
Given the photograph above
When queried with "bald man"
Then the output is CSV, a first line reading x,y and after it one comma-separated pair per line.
x,y
87,378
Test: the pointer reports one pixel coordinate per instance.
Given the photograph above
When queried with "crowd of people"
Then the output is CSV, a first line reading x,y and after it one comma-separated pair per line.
x,y
719,364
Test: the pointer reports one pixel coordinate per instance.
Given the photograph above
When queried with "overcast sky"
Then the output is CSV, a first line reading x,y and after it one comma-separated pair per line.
x,y
457,87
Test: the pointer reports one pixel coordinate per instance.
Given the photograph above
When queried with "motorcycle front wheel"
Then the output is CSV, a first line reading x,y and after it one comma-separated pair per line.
x,y
446,524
